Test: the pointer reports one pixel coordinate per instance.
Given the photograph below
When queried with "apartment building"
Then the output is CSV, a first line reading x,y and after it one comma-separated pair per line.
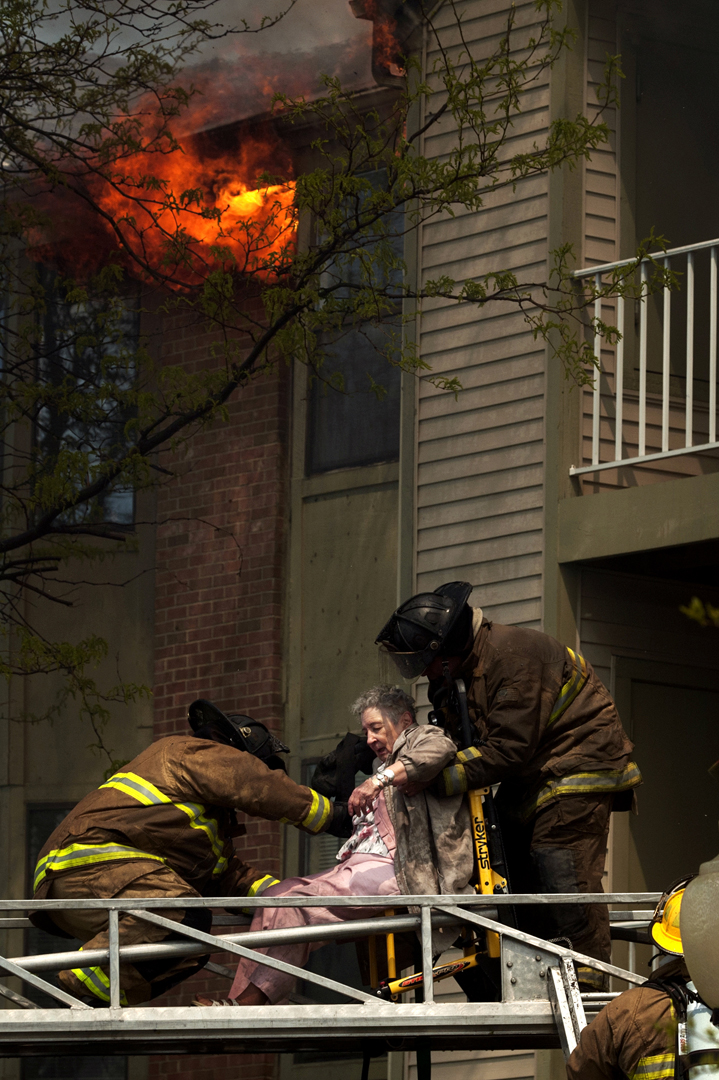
x,y
264,571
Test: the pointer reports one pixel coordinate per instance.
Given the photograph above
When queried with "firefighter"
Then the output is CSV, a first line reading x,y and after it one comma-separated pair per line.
x,y
162,826
644,1030
548,730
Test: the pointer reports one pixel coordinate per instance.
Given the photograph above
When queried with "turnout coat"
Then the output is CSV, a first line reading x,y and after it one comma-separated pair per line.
x,y
174,804
547,724
633,1036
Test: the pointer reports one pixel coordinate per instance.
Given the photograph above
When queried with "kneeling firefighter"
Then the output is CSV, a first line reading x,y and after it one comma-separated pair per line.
x,y
163,827
545,728
657,1031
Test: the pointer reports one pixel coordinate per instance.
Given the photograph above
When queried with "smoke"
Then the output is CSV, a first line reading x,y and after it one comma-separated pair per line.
x,y
236,76
233,87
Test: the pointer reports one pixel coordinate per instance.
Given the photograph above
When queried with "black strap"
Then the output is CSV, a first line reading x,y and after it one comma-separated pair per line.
x,y
680,994
696,1058
678,991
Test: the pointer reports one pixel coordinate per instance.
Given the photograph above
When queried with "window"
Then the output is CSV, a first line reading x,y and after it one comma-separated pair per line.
x,y
353,426
85,347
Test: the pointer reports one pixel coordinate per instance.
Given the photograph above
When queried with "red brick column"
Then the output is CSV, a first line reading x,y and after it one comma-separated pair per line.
x,y
219,588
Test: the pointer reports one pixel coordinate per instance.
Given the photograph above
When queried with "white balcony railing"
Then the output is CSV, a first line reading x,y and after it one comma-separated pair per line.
x,y
632,421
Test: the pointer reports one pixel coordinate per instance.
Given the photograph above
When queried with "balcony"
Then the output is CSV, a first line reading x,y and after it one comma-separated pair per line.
x,y
651,414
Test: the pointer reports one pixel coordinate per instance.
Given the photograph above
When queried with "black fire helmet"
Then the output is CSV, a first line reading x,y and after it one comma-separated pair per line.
x,y
420,627
236,729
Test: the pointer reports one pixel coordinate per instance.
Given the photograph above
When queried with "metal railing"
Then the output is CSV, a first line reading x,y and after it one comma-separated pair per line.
x,y
541,1004
434,911
654,411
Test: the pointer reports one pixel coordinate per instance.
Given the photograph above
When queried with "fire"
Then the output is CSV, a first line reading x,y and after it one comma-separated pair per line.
x,y
184,213
193,209
386,47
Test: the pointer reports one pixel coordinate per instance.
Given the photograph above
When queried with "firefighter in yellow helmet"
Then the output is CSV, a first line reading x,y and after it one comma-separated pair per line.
x,y
657,1031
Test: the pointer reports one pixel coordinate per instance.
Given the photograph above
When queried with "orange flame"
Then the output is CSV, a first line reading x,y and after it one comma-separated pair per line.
x,y
201,209
184,213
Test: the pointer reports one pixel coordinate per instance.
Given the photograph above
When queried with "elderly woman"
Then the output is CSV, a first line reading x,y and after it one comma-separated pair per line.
x,y
404,840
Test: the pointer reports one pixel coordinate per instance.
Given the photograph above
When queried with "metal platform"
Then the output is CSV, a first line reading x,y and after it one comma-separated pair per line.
x,y
277,1029
541,1006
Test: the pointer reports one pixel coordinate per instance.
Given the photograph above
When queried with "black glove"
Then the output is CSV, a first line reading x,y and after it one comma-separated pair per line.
x,y
334,775
341,823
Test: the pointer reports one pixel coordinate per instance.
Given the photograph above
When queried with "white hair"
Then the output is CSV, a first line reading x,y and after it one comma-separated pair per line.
x,y
392,702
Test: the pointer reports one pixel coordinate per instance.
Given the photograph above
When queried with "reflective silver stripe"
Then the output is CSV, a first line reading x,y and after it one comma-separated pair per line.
x,y
571,687
139,789
318,813
656,1067
199,820
261,885
257,888
455,780
583,783
97,982
470,754
89,978
83,855
149,795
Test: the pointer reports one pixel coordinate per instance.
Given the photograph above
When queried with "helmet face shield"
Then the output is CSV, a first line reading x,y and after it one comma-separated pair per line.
x,y
409,664
417,631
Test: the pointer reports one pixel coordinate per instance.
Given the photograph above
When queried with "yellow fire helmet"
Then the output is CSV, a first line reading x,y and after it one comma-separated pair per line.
x,y
664,929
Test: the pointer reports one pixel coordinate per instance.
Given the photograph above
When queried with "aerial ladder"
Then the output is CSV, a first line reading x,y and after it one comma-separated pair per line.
x,y
538,1002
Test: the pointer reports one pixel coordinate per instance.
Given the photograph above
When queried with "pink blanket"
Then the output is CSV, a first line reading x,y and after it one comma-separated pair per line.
x,y
360,875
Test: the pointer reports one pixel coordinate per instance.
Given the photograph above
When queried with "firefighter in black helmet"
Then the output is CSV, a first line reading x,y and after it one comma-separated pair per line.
x,y
545,727
162,826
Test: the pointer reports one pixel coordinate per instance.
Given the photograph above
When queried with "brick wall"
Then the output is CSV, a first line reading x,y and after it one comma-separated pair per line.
x,y
219,589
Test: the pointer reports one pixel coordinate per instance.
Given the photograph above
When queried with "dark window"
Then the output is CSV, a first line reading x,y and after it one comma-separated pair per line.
x,y
86,348
74,1068
353,425
41,822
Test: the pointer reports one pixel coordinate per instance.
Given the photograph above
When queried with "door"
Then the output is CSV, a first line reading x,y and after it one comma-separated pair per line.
x,y
671,713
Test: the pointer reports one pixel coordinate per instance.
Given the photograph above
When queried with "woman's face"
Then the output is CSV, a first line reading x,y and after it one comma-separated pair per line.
x,y
382,732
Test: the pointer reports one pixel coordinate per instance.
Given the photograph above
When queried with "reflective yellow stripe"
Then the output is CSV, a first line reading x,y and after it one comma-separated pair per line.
x,y
319,811
97,982
146,793
571,687
454,778
84,855
655,1067
583,783
257,888
208,825
470,754
263,883
134,785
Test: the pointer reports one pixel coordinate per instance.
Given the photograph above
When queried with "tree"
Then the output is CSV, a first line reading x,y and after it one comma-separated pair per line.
x,y
92,106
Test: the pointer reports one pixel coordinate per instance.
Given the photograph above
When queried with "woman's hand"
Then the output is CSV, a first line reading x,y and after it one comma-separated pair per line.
x,y
363,797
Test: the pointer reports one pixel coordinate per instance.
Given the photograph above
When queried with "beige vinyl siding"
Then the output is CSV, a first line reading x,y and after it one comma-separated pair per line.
x,y
601,225
480,457
601,207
